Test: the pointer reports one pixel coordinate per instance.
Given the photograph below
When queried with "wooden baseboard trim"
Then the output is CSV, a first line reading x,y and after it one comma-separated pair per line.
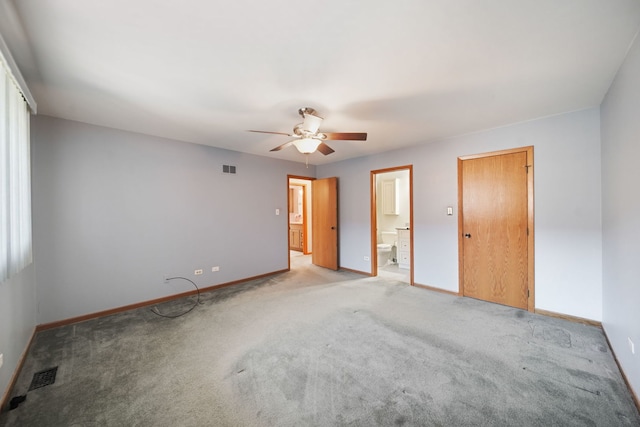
x,y
116,310
624,376
364,273
569,318
431,288
5,397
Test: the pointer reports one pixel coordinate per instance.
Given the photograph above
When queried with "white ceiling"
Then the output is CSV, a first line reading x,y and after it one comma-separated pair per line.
x,y
406,71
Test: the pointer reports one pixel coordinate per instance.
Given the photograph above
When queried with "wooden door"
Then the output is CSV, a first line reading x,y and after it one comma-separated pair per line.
x,y
495,216
324,205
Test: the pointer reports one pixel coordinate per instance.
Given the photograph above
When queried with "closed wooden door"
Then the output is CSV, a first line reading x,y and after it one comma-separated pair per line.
x,y
495,217
324,205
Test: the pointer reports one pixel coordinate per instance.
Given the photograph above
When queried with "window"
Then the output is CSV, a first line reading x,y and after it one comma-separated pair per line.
x,y
15,176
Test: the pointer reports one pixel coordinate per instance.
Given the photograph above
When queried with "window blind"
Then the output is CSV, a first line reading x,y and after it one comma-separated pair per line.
x,y
15,176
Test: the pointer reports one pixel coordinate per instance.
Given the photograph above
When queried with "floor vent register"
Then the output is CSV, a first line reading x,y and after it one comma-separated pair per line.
x,y
43,378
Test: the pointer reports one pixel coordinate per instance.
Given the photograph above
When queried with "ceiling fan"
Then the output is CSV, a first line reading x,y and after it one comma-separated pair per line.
x,y
307,137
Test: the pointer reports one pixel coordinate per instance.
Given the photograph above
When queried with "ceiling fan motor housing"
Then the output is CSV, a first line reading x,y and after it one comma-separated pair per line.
x,y
307,110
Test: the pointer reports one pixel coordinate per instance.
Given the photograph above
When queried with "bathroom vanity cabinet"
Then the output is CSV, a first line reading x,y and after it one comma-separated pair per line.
x,y
296,241
404,248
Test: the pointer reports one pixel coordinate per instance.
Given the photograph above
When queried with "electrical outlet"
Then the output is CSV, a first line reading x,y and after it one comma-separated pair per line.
x,y
216,268
1,359
631,346
366,258
198,272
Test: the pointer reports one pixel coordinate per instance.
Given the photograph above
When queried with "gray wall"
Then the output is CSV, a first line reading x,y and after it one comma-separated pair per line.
x,y
17,320
568,254
115,211
621,214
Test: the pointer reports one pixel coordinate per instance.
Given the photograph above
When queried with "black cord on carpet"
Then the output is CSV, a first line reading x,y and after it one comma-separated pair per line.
x,y
154,310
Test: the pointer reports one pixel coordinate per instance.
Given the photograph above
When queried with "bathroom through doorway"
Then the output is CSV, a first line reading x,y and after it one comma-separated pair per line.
x,y
391,223
300,220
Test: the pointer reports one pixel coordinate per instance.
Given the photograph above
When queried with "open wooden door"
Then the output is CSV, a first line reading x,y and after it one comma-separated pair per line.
x,y
324,205
496,227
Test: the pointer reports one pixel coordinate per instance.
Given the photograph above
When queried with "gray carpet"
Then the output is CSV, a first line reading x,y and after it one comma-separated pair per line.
x,y
313,347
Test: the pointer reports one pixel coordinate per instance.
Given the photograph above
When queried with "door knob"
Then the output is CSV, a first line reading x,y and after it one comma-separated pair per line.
x,y
467,236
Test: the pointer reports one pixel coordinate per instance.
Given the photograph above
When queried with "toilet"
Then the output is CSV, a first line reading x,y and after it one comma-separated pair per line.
x,y
386,246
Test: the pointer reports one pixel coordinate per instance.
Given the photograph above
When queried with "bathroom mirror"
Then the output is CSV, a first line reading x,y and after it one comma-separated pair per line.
x,y
296,196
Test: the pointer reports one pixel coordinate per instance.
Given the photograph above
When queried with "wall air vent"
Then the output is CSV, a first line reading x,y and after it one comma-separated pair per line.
x,y
228,169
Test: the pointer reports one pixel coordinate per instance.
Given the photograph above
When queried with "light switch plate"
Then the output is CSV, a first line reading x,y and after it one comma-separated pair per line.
x,y
449,210
1,359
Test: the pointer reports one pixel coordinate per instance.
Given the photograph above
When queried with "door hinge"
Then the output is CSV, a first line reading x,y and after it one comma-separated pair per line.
x,y
528,293
527,167
527,231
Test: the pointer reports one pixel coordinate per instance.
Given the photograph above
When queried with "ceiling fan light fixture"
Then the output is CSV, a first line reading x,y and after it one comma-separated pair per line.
x,y
307,145
311,123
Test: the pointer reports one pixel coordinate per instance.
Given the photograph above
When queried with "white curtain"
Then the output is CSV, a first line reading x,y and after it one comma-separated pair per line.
x,y
15,177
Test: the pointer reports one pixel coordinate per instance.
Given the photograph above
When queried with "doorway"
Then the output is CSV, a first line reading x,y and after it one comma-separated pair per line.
x,y
300,214
391,223
313,221
495,224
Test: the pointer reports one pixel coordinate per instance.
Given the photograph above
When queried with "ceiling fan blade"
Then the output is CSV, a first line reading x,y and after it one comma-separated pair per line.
x,y
274,133
281,146
325,149
346,136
